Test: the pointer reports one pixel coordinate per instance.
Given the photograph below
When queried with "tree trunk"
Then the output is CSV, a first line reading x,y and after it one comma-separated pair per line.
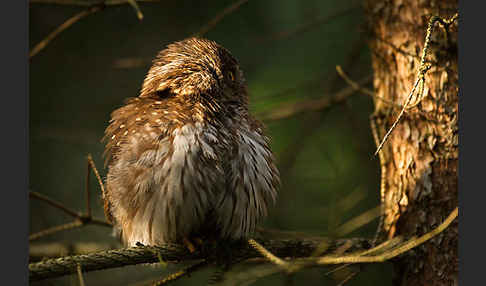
x,y
419,159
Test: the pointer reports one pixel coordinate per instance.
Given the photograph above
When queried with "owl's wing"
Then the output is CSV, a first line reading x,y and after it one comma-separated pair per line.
x,y
252,181
160,181
123,124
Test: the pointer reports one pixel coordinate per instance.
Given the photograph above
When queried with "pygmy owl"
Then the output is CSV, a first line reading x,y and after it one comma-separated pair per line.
x,y
186,158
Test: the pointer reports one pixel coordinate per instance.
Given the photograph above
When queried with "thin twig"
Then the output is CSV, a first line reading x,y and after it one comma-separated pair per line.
x,y
308,26
364,90
381,157
336,269
53,203
77,223
389,244
393,252
225,12
86,3
400,51
286,111
358,221
68,23
97,174
96,221
80,275
398,117
181,273
79,219
266,253
136,8
88,198
54,229
366,256
380,253
92,8
347,278
385,245
352,83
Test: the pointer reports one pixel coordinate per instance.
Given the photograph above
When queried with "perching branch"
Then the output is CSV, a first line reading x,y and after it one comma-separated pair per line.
x,y
358,249
52,268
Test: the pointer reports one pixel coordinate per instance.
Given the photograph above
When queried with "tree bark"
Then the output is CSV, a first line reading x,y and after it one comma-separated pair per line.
x,y
419,159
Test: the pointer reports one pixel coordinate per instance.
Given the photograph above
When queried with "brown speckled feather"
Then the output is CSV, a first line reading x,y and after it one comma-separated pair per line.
x,y
185,157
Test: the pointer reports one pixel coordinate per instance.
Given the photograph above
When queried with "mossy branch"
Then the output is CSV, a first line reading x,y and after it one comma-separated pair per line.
x,y
53,268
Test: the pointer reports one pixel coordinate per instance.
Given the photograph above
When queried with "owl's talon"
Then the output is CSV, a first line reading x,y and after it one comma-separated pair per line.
x,y
189,245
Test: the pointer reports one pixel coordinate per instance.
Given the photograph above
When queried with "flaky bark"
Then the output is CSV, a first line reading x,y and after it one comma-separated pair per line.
x,y
419,159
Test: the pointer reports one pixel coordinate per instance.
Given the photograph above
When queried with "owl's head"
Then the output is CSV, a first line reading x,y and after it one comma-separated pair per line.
x,y
195,69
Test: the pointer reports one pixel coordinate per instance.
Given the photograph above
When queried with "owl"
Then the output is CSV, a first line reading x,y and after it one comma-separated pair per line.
x,y
185,158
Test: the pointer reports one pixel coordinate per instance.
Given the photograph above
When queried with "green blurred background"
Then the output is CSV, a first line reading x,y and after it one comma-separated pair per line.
x,y
288,51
